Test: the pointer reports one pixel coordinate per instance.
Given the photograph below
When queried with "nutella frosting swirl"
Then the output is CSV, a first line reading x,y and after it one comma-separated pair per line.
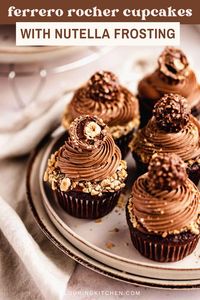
x,y
163,210
173,75
90,153
111,102
185,143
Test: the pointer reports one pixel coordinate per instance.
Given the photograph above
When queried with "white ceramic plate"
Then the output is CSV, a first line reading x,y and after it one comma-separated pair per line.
x,y
35,200
108,240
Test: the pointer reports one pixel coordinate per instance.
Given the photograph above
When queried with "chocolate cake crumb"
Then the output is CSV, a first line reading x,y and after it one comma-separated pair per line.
x,y
171,113
110,245
103,86
115,230
166,171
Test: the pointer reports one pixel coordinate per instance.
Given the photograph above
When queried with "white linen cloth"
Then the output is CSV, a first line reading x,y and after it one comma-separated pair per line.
x,y
30,265
32,124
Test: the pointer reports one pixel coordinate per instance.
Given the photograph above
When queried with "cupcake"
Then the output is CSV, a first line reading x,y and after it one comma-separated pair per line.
x,y
104,97
171,129
173,75
87,173
163,210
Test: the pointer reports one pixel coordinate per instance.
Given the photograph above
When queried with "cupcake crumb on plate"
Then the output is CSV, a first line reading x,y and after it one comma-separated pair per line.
x,y
110,245
98,220
114,230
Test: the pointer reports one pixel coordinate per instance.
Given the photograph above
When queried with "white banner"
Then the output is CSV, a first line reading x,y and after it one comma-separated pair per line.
x,y
97,34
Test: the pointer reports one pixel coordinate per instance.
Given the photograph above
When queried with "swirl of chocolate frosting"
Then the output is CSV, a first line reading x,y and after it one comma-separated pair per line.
x,y
161,211
185,143
173,75
113,103
90,153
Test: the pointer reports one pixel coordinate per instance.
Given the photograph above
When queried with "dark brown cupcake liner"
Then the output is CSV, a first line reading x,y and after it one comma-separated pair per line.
x,y
196,110
169,249
141,168
85,206
193,171
145,111
123,142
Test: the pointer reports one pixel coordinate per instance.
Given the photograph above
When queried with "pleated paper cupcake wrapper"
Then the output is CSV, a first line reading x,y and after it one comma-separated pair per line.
x,y
124,141
161,250
85,206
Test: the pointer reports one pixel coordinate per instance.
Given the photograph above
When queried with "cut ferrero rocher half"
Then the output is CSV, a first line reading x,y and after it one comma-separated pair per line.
x,y
173,63
87,132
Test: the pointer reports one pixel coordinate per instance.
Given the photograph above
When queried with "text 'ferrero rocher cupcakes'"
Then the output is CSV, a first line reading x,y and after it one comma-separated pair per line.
x,y
163,210
104,97
171,129
87,173
173,75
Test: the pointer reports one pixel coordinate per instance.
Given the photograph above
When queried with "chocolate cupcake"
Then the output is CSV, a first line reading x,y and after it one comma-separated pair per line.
x,y
173,75
163,211
104,97
172,129
87,173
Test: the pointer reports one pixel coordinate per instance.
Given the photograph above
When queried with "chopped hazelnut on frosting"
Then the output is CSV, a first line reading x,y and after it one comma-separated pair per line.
x,y
103,85
92,130
65,184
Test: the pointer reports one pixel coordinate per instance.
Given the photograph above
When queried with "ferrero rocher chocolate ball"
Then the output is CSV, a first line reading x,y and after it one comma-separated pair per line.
x,y
103,85
173,63
166,171
171,113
